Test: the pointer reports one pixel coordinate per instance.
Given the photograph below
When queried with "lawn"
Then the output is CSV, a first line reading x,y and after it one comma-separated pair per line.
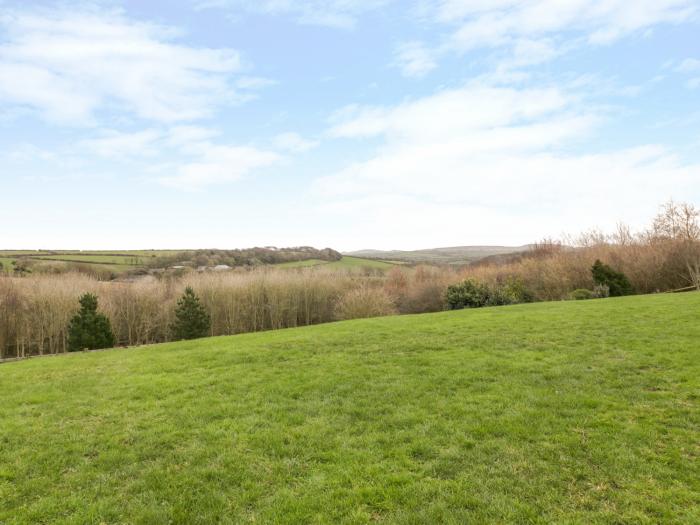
x,y
567,412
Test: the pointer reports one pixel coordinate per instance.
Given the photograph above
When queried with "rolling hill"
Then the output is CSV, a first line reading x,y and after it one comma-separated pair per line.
x,y
454,255
564,412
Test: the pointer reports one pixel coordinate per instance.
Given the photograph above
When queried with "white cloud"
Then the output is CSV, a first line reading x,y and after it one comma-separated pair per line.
x,y
693,83
330,13
415,59
535,31
294,143
219,164
113,143
492,23
462,112
689,65
490,164
69,65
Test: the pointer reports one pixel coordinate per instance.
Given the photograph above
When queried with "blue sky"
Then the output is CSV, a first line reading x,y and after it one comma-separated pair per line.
x,y
343,123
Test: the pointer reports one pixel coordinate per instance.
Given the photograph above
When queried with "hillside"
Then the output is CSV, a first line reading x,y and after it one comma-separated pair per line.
x,y
345,263
568,412
452,255
112,264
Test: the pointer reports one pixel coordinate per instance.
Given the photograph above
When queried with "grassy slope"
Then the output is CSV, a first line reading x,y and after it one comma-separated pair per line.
x,y
301,264
346,262
450,255
577,412
358,262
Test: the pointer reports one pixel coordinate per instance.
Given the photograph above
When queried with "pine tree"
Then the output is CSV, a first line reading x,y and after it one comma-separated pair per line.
x,y
89,329
191,318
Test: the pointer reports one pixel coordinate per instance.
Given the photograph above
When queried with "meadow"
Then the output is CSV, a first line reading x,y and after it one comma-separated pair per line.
x,y
114,264
346,262
559,412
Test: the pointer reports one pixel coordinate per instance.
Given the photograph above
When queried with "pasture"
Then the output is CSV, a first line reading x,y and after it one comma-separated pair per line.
x,y
562,412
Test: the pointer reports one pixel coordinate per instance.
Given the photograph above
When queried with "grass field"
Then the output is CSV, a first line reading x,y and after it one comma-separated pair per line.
x,y
571,412
358,262
129,260
301,264
346,262
114,262
6,264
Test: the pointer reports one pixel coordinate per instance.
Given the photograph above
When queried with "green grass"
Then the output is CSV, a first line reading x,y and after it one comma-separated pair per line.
x,y
347,263
573,412
301,264
7,264
358,262
129,260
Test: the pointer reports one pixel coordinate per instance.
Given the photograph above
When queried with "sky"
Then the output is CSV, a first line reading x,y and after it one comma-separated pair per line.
x,y
387,124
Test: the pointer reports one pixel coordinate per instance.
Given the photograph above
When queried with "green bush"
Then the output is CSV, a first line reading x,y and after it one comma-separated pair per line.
x,y
472,294
467,294
516,292
581,294
617,282
89,329
191,318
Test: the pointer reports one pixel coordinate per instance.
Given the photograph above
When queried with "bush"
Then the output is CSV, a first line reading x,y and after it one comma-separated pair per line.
x,y
364,302
422,298
472,294
617,282
515,291
600,291
89,329
191,319
467,294
581,294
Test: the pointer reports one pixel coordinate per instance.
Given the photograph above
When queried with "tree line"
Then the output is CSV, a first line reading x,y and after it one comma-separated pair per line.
x,y
36,311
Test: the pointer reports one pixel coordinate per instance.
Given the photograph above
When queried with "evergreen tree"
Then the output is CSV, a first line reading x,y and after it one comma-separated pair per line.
x,y
191,318
617,282
89,329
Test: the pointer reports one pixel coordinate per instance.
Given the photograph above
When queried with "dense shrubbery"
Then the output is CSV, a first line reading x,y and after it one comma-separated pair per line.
x,y
617,283
467,294
581,294
473,294
364,302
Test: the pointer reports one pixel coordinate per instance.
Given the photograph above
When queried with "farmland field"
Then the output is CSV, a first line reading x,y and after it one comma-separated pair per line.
x,y
346,262
301,264
564,412
358,262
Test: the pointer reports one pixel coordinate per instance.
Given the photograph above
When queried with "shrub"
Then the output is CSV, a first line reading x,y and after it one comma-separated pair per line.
x,y
601,291
581,294
467,294
421,298
89,329
617,282
516,292
191,319
364,302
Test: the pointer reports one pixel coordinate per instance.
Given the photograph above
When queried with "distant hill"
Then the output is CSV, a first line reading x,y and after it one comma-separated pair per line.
x,y
450,255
